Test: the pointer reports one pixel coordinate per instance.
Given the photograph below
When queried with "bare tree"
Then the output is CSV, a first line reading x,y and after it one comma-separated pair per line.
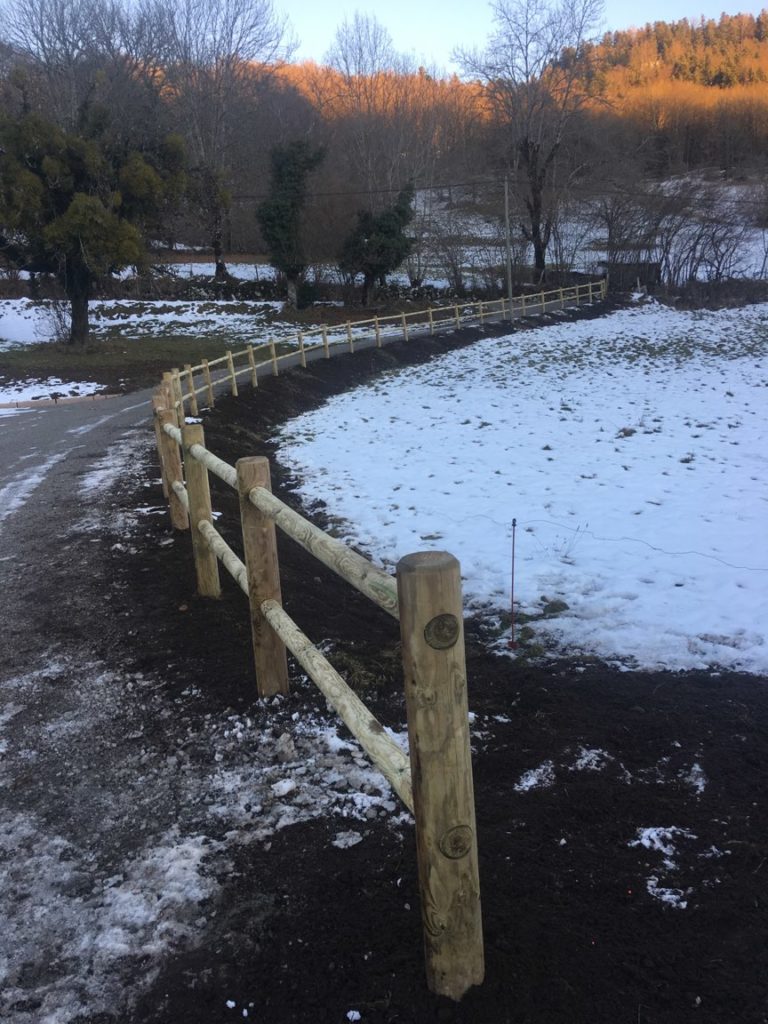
x,y
215,55
535,73
369,103
74,53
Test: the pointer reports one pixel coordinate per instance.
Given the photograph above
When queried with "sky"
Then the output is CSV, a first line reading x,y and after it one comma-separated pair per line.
x,y
431,29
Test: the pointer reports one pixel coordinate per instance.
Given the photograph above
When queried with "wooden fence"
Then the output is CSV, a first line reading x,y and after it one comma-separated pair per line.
x,y
322,342
434,779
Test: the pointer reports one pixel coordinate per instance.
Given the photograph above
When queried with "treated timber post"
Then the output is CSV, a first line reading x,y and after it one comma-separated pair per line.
x,y
431,322
456,314
404,322
232,377
198,490
173,470
273,357
252,364
349,337
302,353
377,326
191,389
260,548
431,628
326,347
481,312
208,383
160,402
178,396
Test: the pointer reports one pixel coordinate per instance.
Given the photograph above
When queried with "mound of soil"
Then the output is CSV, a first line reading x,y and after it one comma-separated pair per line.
x,y
622,816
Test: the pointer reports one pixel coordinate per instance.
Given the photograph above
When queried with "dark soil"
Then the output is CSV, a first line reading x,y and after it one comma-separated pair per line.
x,y
572,932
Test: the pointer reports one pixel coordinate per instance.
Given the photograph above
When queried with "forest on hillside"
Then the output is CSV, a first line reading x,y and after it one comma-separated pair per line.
x,y
169,116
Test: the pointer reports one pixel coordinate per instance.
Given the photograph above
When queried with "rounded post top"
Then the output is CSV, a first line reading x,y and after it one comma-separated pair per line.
x,y
427,562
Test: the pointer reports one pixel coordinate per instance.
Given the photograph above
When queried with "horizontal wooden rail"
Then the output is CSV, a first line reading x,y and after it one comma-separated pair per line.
x,y
367,730
376,584
234,565
393,763
371,581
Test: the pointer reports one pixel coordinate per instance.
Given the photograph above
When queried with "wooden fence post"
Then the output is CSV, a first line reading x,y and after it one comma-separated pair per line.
x,y
431,628
481,312
191,390
178,396
232,377
431,322
377,326
260,548
208,383
456,314
173,470
349,337
273,356
302,353
326,346
252,364
198,490
160,402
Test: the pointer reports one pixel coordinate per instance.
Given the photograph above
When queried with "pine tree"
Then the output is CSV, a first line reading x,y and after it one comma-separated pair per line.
x,y
73,208
378,244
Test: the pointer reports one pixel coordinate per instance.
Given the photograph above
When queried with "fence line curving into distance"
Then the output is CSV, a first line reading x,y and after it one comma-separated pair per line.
x,y
191,382
434,778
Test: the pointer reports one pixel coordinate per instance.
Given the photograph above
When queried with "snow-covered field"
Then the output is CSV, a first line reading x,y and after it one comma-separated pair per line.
x,y
631,451
23,322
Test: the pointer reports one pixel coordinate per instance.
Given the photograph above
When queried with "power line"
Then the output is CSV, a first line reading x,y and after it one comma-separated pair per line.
x,y
582,191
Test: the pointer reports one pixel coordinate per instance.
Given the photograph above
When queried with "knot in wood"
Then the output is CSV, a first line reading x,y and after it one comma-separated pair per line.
x,y
442,632
456,842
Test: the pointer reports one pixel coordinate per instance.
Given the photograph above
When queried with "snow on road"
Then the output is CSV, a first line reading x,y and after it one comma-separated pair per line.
x,y
89,917
631,450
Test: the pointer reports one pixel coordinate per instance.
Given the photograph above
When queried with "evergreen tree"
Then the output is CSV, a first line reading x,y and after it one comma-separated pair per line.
x,y
279,216
378,244
72,207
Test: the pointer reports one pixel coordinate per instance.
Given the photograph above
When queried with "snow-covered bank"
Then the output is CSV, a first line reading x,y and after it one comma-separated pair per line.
x,y
630,450
23,322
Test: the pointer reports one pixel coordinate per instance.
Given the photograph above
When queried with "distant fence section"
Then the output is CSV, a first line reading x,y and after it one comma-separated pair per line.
x,y
434,778
193,382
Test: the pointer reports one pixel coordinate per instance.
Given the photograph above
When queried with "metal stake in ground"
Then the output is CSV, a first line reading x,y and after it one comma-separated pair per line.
x,y
512,642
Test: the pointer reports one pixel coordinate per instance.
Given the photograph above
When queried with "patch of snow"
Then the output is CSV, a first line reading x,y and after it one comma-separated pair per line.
x,y
662,840
346,839
591,759
20,488
537,778
670,897
695,778
49,388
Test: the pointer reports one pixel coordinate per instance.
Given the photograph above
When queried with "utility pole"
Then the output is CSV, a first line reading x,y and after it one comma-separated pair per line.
x,y
509,246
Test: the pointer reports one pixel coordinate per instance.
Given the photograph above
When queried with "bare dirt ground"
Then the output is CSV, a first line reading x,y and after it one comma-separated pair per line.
x,y
625,881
